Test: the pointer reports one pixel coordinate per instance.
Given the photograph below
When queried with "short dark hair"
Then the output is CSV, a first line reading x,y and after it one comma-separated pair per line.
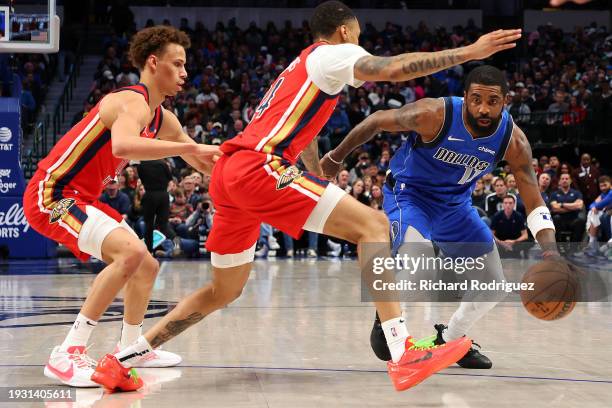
x,y
509,196
328,16
604,179
153,40
487,75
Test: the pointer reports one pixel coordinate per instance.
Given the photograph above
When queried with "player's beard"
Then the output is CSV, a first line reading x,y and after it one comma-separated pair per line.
x,y
478,128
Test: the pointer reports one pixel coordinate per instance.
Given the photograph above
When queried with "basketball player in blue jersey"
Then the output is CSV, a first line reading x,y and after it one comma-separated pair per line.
x,y
427,194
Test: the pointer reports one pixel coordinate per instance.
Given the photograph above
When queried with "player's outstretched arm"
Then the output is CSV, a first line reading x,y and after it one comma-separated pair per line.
x,y
539,219
424,116
201,157
126,114
408,66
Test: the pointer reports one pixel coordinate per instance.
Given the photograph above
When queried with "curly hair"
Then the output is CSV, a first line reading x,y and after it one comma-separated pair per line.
x,y
153,40
328,16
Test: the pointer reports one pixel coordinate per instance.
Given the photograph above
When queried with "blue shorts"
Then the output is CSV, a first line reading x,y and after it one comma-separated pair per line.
x,y
455,228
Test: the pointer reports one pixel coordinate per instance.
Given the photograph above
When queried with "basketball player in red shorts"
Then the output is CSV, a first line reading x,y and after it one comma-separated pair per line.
x,y
61,200
256,180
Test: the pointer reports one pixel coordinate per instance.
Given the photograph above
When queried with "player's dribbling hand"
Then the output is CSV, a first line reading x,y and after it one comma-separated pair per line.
x,y
329,167
573,269
493,42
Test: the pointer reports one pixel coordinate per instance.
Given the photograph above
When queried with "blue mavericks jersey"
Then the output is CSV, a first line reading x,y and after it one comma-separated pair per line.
x,y
446,169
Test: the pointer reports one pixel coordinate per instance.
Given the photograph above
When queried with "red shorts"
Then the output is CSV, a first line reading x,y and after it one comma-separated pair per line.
x,y
63,220
249,188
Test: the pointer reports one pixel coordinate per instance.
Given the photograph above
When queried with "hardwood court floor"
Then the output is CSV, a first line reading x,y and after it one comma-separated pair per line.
x,y
299,337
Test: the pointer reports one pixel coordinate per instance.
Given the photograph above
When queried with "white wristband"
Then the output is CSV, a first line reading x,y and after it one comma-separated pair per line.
x,y
539,219
332,159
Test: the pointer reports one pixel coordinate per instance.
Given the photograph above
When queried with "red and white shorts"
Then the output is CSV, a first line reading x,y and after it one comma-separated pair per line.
x,y
78,224
249,188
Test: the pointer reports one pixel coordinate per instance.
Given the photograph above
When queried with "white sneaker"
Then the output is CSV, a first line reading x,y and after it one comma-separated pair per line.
x,y
290,253
157,358
262,252
311,253
72,367
334,248
273,243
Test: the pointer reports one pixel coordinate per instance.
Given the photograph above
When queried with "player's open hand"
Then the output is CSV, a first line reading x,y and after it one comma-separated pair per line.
x,y
493,42
330,167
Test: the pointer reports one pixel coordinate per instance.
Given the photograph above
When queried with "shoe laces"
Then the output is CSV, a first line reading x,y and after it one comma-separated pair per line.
x,y
428,347
475,348
83,360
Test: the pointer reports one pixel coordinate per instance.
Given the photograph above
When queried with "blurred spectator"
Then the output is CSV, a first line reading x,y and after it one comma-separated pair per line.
x,y
536,166
127,76
235,128
586,178
343,181
557,109
357,191
565,205
487,179
189,187
136,217
180,210
131,180
478,195
544,185
383,162
494,201
519,110
338,125
554,164
597,213
116,199
376,201
360,169
194,130
509,228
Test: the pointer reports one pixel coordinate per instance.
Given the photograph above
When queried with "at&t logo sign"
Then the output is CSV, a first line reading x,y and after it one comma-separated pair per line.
x,y
5,136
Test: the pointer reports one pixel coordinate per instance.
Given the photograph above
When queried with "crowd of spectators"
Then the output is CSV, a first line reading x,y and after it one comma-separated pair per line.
x,y
230,69
27,77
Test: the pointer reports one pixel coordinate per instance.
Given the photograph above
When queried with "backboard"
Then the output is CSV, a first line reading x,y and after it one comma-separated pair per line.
x,y
29,26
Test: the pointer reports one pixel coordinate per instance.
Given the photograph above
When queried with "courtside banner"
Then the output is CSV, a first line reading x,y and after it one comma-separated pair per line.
x,y
16,235
477,272
11,177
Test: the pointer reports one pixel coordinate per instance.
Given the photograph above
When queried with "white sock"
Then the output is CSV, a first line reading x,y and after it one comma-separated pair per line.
x,y
129,334
134,350
464,318
396,333
592,238
79,333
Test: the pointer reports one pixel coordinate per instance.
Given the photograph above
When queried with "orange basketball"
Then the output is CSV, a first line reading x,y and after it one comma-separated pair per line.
x,y
555,290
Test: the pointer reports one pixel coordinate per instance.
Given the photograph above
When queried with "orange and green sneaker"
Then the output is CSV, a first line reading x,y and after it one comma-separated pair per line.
x,y
113,376
420,362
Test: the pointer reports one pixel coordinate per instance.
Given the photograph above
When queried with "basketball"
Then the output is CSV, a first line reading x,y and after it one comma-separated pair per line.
x,y
555,290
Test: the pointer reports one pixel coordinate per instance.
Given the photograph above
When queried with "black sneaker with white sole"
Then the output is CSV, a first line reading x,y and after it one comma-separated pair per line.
x,y
473,359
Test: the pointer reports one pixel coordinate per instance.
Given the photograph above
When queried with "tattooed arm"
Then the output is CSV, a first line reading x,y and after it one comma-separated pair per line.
x,y
424,117
519,158
310,157
408,66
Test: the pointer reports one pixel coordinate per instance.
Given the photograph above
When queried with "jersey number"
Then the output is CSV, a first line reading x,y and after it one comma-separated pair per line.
x,y
265,102
470,174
